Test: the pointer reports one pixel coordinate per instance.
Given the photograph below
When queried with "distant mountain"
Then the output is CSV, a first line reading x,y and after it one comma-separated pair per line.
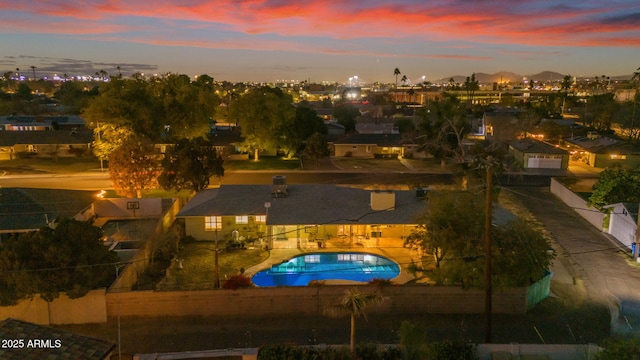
x,y
505,76
484,78
546,76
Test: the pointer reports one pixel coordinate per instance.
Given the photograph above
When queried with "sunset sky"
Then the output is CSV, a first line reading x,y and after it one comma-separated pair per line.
x,y
328,40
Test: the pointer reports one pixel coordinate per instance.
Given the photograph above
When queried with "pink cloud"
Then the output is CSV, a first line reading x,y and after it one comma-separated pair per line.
x,y
497,22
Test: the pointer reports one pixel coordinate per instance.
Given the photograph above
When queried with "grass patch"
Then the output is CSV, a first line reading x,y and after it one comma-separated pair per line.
x,y
54,166
264,163
198,265
369,164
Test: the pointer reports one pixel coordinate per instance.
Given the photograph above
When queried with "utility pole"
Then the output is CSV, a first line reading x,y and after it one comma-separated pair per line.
x,y
216,279
637,238
487,251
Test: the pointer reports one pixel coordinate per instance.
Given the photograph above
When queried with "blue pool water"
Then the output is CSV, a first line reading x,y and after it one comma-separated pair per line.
x,y
300,270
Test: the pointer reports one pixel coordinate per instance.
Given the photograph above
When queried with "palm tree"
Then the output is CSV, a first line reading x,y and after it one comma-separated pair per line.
x,y
396,72
353,304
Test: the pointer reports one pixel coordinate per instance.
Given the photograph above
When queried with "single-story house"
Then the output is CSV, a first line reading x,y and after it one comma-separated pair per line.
x,y
299,216
372,146
281,216
603,152
534,154
51,143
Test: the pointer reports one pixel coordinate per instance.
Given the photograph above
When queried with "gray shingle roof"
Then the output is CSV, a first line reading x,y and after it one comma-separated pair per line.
x,y
530,146
25,208
71,346
63,137
305,204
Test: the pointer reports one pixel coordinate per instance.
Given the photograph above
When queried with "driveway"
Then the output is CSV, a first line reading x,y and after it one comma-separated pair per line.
x,y
590,257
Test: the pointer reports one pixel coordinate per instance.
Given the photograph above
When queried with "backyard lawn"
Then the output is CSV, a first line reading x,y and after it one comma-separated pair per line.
x,y
197,271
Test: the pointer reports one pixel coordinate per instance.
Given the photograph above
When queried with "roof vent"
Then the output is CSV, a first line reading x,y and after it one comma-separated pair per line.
x,y
279,186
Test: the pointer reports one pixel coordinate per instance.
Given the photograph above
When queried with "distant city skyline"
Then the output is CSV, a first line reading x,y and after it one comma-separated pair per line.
x,y
332,40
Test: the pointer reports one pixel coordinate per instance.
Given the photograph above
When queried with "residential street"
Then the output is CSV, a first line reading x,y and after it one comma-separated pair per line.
x,y
589,256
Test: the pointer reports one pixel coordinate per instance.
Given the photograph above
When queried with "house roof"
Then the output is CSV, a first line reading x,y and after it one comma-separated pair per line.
x,y
23,209
304,204
531,146
605,145
11,138
71,346
42,120
310,204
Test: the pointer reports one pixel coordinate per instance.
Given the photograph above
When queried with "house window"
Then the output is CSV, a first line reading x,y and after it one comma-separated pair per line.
x,y
618,157
354,147
212,223
312,258
368,148
243,219
261,219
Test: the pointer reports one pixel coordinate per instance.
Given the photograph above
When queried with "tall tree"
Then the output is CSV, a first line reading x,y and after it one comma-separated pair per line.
x,y
262,114
443,126
471,85
616,185
396,73
189,165
353,304
66,258
133,167
306,123
346,115
316,147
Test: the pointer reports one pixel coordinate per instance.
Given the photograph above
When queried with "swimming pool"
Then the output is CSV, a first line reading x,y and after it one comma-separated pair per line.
x,y
354,266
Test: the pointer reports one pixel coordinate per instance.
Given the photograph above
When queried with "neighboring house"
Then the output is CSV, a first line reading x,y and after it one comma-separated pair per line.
x,y
371,146
334,130
24,209
622,225
23,340
41,123
603,152
375,125
300,216
53,143
534,154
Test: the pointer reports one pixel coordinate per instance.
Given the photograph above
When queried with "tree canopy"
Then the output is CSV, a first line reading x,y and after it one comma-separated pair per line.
x,y
169,105
263,114
346,115
68,258
306,123
443,126
451,233
189,164
616,185
133,167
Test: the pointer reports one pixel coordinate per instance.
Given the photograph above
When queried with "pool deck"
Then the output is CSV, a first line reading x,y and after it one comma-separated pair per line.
x,y
388,247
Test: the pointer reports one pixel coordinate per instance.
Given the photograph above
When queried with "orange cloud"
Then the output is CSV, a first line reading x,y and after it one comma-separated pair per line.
x,y
498,22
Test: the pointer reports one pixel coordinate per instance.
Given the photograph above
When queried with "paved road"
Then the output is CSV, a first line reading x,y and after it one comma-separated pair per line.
x,y
590,256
